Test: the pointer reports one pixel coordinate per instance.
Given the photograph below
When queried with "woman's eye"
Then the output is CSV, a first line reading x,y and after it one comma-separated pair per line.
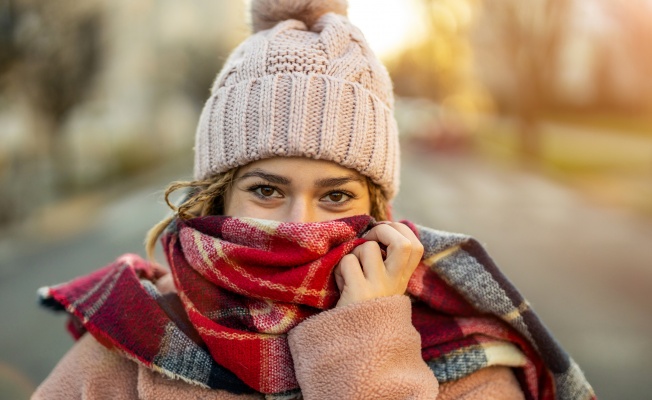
x,y
265,191
337,197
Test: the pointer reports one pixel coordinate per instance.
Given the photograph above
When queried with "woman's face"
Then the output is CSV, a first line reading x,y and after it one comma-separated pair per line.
x,y
297,190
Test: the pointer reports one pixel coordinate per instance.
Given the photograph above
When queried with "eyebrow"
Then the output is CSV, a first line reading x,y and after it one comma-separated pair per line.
x,y
330,182
281,180
273,178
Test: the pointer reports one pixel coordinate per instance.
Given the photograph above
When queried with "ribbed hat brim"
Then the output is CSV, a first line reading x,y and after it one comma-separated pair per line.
x,y
302,115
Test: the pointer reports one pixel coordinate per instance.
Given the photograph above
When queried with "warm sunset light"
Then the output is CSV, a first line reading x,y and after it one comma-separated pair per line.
x,y
387,24
526,125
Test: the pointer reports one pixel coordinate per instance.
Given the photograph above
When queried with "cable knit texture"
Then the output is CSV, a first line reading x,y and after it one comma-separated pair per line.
x,y
307,87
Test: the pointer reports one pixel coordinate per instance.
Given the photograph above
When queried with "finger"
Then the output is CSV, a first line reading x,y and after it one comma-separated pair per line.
x,y
339,279
159,271
350,271
405,231
371,259
166,284
399,248
383,233
416,253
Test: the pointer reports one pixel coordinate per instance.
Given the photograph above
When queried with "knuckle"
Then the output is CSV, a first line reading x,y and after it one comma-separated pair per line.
x,y
348,259
383,227
401,227
370,246
404,245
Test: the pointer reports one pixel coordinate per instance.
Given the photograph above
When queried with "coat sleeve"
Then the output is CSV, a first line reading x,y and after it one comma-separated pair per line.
x,y
371,350
368,350
90,371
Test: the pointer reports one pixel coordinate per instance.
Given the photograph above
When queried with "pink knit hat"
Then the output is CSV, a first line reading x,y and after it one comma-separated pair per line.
x,y
305,84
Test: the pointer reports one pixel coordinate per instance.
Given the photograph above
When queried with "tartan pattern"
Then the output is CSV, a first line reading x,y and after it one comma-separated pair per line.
x,y
459,279
244,283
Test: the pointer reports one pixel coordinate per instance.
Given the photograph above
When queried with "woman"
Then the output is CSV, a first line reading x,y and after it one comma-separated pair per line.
x,y
283,284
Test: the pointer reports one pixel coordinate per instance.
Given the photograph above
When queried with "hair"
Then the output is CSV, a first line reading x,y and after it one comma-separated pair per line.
x,y
206,197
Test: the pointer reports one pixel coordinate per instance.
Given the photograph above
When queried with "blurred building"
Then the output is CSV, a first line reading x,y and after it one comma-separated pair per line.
x,y
156,60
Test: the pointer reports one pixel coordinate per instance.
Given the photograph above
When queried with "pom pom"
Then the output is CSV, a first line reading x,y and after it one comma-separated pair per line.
x,y
267,13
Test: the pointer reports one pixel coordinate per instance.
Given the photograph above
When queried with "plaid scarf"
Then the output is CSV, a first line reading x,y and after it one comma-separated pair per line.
x,y
244,283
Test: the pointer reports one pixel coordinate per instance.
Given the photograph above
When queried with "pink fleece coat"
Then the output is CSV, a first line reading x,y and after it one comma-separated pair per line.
x,y
368,350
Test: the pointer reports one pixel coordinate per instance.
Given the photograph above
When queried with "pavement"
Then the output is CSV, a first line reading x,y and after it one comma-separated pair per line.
x,y
586,269
59,243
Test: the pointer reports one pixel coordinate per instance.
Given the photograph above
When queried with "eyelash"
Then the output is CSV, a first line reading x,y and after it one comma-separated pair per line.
x,y
345,193
255,187
254,190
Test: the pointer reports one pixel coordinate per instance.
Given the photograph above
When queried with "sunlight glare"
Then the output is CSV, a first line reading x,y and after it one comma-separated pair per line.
x,y
387,24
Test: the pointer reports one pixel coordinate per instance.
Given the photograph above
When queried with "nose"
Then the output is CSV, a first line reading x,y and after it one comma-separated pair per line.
x,y
301,210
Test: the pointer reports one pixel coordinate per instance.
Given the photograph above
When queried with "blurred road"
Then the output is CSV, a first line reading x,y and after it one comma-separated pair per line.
x,y
72,241
586,270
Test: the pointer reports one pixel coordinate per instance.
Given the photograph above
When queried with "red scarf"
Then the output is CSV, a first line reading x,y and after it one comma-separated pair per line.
x,y
244,283
264,278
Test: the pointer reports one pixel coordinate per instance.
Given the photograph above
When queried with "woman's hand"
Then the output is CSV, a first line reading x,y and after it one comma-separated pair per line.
x,y
363,275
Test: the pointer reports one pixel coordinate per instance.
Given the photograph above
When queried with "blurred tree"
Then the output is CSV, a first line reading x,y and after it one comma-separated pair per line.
x,y
634,32
603,78
439,66
189,38
59,50
196,65
8,50
524,38
436,66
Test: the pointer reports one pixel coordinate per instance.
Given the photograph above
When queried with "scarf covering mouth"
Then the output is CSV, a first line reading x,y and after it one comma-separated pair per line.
x,y
244,283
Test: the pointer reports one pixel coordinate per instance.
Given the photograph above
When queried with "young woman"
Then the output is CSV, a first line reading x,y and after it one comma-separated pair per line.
x,y
288,278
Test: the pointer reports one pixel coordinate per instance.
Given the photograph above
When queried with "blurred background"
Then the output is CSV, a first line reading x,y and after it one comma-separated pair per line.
x,y
525,124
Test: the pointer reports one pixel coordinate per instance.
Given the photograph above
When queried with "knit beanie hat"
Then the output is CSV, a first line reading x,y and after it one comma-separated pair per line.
x,y
305,84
